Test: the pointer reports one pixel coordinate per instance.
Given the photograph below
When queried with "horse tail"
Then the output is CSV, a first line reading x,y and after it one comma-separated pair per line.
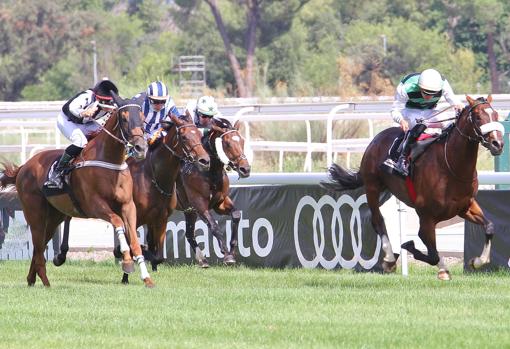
x,y
9,174
342,179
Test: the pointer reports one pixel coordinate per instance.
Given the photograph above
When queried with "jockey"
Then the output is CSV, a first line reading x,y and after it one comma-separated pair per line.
x,y
203,110
416,100
78,119
157,105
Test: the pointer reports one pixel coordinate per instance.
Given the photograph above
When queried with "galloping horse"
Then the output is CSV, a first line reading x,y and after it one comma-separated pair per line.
x,y
198,192
154,179
442,184
100,187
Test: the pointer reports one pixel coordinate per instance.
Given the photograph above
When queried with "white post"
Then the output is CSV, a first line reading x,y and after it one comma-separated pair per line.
x,y
329,132
401,223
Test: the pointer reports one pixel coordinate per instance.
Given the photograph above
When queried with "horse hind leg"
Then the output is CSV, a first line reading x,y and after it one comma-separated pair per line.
x,y
474,214
191,217
227,208
390,259
222,241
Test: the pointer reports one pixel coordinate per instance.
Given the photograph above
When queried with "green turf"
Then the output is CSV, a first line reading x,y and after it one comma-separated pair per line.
x,y
87,307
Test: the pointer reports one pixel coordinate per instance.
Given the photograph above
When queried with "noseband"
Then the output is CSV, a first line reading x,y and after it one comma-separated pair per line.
x,y
232,163
188,152
124,141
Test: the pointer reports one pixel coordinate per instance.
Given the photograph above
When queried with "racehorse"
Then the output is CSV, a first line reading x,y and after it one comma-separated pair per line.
x,y
442,184
100,186
199,192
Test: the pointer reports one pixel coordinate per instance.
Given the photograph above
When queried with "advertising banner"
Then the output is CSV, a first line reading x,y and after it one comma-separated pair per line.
x,y
496,208
289,226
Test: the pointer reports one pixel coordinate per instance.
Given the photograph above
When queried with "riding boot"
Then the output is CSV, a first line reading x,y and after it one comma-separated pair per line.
x,y
55,179
402,165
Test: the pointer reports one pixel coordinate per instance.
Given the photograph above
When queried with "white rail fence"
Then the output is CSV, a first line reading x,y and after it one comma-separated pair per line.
x,y
28,127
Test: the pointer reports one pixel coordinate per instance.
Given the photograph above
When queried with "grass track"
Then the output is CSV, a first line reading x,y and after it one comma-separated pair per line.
x,y
87,307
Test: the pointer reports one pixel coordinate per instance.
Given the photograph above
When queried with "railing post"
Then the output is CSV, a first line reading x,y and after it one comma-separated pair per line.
x,y
329,131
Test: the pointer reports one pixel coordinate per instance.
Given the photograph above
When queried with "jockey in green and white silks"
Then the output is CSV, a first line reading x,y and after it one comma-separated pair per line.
x,y
415,101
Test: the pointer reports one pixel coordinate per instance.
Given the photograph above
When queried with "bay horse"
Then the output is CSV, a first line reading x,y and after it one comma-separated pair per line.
x,y
199,192
155,177
100,187
443,181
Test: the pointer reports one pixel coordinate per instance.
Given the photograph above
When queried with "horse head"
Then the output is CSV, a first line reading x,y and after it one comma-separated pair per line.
x,y
185,141
128,119
228,145
479,123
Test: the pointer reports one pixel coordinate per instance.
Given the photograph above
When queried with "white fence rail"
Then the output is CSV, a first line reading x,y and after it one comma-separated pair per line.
x,y
33,123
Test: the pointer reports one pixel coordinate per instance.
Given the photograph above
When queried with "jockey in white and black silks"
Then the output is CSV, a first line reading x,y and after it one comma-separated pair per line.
x,y
78,119
416,100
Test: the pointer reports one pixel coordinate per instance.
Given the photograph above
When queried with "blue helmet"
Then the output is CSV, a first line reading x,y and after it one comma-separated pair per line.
x,y
157,91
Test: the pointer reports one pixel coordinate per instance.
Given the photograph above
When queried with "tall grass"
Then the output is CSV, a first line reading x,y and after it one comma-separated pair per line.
x,y
252,308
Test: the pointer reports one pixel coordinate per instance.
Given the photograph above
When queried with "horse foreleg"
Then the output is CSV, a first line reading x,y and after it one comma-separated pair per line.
x,y
129,215
474,214
389,260
191,217
227,208
222,241
158,232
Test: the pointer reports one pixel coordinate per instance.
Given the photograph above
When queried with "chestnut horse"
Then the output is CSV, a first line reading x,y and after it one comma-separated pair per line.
x,y
443,181
100,187
199,192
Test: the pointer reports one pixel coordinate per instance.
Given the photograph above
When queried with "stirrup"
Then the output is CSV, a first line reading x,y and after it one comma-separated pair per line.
x,y
54,182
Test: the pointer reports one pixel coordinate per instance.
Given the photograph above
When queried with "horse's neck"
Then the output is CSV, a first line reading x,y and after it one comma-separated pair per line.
x,y
462,153
104,147
164,164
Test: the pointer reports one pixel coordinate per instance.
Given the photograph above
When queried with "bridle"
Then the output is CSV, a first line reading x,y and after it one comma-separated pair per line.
x,y
186,150
123,140
479,135
232,163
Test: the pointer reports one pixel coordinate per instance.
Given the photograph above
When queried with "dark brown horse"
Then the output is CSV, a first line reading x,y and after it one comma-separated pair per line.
x,y
100,187
155,177
199,192
443,181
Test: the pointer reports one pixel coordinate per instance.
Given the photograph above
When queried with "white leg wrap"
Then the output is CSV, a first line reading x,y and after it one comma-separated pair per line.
x,y
122,239
441,265
144,273
388,250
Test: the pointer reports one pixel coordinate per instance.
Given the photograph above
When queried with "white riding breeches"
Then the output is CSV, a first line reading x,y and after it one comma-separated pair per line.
x,y
76,133
413,115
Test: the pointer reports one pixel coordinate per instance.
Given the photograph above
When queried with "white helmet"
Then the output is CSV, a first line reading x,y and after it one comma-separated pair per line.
x,y
430,80
207,106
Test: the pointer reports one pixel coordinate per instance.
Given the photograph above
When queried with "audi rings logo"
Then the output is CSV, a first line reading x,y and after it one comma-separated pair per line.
x,y
337,233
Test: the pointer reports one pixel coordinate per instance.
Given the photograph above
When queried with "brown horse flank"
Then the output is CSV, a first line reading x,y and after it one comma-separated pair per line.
x,y
198,192
444,178
154,180
100,187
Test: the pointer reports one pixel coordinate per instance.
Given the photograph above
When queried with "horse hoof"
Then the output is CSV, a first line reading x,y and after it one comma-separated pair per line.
x,y
444,275
149,283
57,261
409,245
389,267
128,267
476,263
229,260
203,264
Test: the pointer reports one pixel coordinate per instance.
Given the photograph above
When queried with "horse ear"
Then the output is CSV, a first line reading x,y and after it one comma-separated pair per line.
x,y
139,99
176,119
217,129
116,98
489,99
470,100
237,124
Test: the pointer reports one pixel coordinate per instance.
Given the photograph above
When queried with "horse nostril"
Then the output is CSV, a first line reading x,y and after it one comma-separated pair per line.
x,y
204,163
496,144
